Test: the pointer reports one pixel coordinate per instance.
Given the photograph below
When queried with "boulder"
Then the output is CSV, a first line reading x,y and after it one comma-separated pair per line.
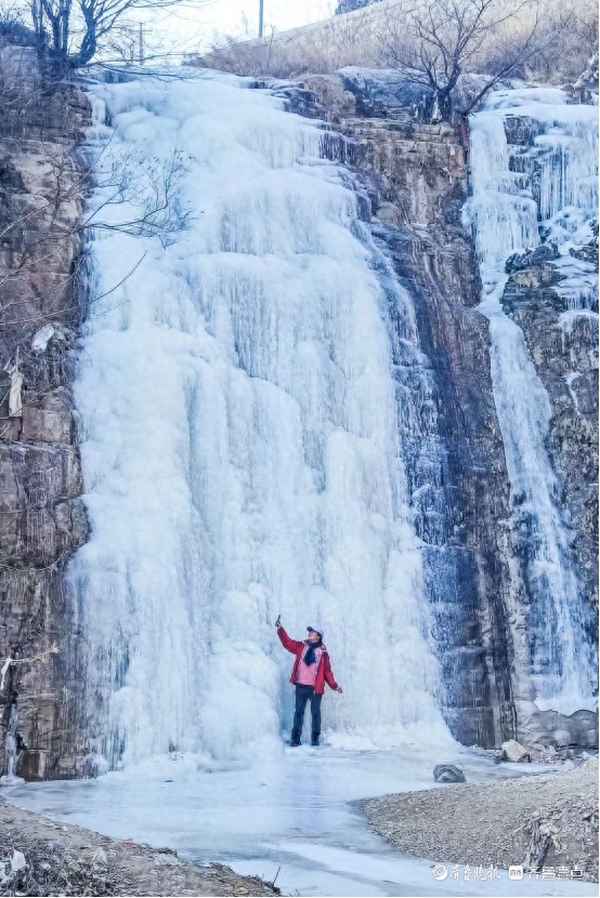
x,y
586,253
448,773
514,751
536,278
585,725
520,261
551,728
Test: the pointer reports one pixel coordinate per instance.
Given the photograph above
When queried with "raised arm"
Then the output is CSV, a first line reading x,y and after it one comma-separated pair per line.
x,y
292,645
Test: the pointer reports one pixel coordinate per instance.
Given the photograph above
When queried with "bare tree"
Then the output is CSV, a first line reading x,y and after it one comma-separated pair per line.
x,y
36,225
73,32
150,209
439,40
12,23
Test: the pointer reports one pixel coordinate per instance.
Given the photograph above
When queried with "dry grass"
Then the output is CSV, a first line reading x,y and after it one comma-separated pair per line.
x,y
567,35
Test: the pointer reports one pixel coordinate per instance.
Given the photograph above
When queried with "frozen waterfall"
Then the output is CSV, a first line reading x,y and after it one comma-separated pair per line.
x,y
241,443
509,214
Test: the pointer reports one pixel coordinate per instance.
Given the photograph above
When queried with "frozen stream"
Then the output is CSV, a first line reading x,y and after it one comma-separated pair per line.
x,y
291,811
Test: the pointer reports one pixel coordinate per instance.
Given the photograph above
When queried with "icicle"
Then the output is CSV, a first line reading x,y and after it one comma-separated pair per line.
x,y
15,400
436,112
42,337
10,750
3,672
42,657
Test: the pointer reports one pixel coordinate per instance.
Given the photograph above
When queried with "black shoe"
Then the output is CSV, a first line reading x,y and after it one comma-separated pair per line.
x,y
294,744
315,743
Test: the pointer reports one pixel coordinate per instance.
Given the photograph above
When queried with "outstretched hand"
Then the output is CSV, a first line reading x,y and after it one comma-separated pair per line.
x,y
278,622
339,689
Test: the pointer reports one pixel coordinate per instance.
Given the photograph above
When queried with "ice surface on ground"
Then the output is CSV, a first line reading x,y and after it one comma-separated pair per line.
x,y
241,444
292,813
507,219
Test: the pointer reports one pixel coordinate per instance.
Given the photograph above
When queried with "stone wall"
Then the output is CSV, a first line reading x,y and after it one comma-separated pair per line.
x,y
42,518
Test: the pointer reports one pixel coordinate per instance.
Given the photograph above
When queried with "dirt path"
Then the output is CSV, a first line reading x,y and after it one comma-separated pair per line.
x,y
552,817
40,857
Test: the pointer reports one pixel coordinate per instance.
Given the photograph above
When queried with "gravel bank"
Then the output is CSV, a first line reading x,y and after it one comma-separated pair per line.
x,y
39,857
549,820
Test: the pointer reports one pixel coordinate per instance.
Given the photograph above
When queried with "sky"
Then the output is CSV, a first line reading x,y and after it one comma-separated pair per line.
x,y
196,25
280,14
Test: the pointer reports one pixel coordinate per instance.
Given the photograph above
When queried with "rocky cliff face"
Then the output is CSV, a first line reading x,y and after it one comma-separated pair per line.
x,y
42,519
551,293
414,180
553,299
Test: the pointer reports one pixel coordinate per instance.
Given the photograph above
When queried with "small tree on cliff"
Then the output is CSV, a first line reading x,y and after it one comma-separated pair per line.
x,y
437,41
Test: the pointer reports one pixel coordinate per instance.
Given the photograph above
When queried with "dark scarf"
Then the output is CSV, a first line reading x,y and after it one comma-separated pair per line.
x,y
311,655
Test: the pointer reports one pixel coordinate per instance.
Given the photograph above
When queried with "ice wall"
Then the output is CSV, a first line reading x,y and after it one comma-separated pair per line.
x,y
242,447
544,188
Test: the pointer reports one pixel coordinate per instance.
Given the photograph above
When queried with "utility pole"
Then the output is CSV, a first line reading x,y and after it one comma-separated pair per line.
x,y
261,17
141,47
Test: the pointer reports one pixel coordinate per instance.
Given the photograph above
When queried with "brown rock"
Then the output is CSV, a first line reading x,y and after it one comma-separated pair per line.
x,y
42,519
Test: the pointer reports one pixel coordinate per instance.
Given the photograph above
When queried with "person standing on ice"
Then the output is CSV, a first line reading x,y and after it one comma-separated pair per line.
x,y
311,670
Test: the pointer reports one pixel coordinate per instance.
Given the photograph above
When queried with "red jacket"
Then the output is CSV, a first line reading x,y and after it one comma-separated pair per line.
x,y
324,671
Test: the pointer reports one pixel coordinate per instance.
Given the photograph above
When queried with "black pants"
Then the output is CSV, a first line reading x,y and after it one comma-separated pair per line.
x,y
303,694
